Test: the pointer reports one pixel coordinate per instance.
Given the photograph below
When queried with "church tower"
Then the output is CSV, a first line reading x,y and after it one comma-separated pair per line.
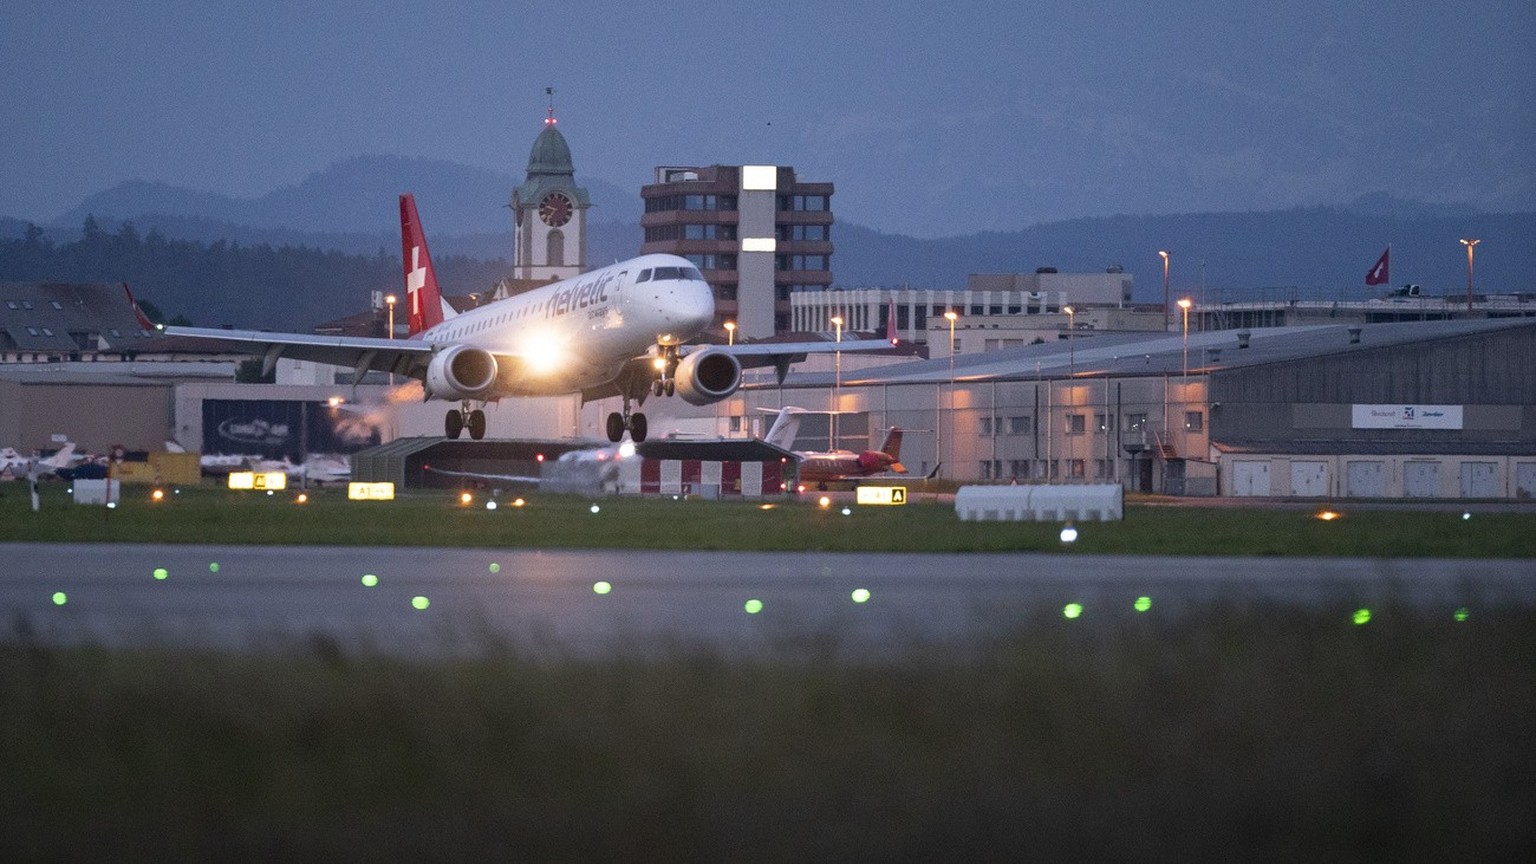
x,y
550,212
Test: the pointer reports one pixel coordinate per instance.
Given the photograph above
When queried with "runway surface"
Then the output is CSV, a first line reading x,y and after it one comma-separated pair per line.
x,y
591,603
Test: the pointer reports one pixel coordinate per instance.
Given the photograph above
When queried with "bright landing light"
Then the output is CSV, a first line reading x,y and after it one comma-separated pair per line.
x,y
542,353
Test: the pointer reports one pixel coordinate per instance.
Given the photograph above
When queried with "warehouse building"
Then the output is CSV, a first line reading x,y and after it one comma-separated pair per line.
x,y
1435,409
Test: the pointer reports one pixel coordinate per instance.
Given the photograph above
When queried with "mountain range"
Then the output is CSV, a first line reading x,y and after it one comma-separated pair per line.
x,y
1316,251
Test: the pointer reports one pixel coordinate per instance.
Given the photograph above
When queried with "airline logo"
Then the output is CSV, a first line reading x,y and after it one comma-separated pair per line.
x,y
415,280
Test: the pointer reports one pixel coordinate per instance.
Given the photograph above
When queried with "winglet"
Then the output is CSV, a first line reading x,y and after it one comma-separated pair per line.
x,y
144,323
424,302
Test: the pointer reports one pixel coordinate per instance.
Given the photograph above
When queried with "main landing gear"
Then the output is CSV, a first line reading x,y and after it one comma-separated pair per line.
x,y
635,423
455,422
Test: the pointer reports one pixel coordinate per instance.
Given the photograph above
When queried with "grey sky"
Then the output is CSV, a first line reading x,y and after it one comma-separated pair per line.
x,y
931,120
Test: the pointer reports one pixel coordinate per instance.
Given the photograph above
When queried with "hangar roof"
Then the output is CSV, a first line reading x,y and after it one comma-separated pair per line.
x,y
1157,354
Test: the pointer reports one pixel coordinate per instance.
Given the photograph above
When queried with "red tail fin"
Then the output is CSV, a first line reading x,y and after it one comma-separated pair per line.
x,y
424,302
144,323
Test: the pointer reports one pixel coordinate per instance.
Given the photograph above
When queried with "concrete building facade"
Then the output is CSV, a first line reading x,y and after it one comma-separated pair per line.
x,y
757,233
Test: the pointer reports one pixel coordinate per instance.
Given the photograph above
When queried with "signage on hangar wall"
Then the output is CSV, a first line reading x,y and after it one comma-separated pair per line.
x,y
1406,417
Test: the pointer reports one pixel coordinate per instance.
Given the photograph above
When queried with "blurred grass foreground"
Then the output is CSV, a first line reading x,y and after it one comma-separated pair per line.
x,y
1248,733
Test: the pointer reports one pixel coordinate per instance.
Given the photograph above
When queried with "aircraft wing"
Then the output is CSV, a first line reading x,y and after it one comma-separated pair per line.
x,y
402,356
781,354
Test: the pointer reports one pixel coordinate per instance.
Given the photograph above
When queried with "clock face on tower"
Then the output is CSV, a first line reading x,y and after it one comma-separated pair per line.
x,y
555,209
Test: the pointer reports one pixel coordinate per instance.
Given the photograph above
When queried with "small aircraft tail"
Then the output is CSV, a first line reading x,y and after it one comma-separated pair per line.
x,y
423,299
784,429
892,448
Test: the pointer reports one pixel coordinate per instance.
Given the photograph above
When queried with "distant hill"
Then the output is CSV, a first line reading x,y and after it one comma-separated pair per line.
x,y
1315,251
353,196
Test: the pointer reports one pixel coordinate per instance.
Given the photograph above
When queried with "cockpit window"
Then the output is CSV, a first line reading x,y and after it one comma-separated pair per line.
x,y
645,276
666,273
691,273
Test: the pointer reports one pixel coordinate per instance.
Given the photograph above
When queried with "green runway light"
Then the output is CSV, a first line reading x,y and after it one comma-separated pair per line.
x,y
861,595
601,588
60,598
213,567
161,573
1462,614
419,602
1073,610
495,568
1143,603
1362,616
370,580
753,606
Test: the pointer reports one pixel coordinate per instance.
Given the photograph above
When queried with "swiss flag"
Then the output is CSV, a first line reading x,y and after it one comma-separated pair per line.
x,y
1377,275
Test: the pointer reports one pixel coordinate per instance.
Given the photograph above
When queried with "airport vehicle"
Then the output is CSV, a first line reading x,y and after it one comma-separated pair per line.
x,y
822,467
616,331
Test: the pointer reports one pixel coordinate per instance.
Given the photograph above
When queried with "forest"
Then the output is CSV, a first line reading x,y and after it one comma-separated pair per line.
x,y
223,282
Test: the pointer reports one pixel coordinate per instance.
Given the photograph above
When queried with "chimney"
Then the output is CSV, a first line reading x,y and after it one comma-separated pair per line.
x,y
1212,355
1242,338
1354,335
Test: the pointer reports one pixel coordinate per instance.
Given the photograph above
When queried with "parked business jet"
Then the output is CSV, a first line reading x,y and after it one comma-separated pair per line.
x,y
822,466
617,331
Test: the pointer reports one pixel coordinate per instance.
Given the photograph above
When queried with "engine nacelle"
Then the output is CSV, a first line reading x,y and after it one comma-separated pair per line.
x,y
461,372
707,375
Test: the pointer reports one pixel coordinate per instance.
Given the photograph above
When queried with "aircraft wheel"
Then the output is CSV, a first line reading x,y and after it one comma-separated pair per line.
x,y
477,424
637,428
658,387
453,424
615,427
671,386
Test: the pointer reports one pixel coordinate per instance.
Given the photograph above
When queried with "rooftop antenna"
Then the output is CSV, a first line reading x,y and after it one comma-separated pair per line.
x,y
550,120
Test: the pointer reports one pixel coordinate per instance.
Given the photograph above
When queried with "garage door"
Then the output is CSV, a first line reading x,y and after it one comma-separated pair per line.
x,y
1525,479
1250,478
1421,479
1365,479
1309,479
1479,480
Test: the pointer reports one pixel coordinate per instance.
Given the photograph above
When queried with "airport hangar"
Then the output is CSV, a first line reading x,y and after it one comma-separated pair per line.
x,y
1439,409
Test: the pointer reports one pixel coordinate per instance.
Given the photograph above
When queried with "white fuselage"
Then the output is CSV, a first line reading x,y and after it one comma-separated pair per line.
x,y
578,332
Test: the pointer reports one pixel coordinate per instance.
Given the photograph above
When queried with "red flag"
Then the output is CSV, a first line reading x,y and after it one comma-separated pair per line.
x,y
1378,275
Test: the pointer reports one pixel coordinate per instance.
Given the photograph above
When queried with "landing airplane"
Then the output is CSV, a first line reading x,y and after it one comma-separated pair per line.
x,y
617,331
821,467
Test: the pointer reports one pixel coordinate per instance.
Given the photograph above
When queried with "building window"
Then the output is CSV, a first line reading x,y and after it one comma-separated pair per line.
x,y
803,203
1076,468
800,262
1018,469
1077,424
803,232
554,249
725,291
1020,426
1104,469
711,261
1100,421
984,426
1135,422
1194,421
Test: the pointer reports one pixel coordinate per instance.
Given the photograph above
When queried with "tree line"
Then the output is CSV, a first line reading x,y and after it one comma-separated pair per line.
x,y
224,282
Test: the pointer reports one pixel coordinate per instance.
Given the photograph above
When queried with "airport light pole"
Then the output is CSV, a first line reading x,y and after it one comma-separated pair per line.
x,y
1469,244
837,379
1071,348
938,394
1185,303
1164,253
390,300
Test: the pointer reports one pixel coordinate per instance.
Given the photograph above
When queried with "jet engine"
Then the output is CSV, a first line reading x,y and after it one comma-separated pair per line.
x,y
707,375
462,372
